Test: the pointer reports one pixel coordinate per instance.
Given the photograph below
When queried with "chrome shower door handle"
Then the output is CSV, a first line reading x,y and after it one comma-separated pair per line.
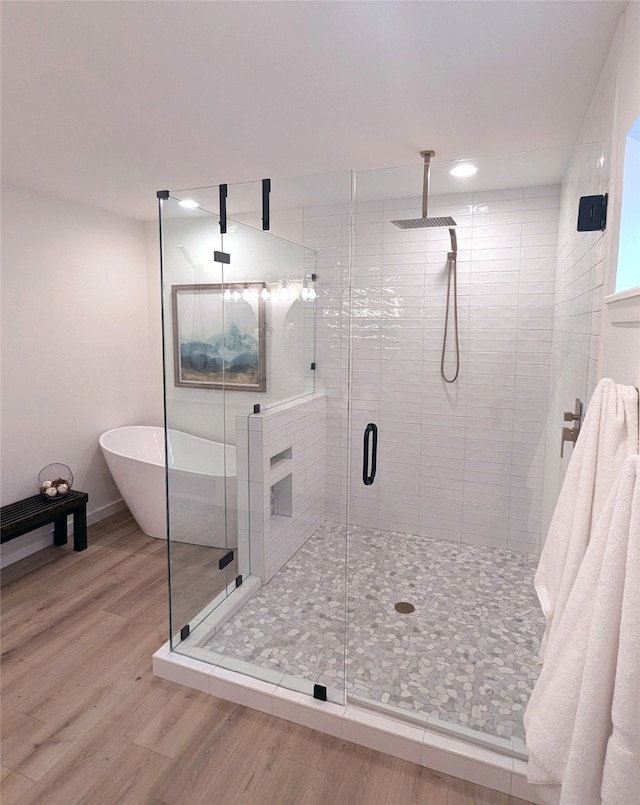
x,y
369,454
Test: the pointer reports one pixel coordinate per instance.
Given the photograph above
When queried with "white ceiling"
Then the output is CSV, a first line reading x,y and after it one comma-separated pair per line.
x,y
106,102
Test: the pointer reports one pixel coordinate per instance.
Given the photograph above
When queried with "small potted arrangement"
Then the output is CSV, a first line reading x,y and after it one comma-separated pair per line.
x,y
55,481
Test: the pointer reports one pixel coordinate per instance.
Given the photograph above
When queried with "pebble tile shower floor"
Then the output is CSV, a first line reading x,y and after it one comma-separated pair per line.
x,y
467,654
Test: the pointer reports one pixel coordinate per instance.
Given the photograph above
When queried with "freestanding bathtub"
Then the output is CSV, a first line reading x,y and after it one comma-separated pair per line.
x,y
202,483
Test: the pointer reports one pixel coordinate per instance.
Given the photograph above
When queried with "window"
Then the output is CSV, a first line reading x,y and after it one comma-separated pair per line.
x,y
628,272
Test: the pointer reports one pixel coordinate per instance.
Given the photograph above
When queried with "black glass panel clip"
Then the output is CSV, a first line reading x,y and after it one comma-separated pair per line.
x,y
226,560
592,213
266,190
223,209
320,693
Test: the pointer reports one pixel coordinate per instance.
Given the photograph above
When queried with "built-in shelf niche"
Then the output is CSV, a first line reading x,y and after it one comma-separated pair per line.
x,y
280,457
281,498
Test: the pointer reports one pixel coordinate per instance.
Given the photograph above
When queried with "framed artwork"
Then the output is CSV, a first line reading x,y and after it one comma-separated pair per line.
x,y
219,336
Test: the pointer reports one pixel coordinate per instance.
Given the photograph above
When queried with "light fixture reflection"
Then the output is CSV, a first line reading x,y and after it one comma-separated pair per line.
x,y
308,292
463,169
188,204
287,290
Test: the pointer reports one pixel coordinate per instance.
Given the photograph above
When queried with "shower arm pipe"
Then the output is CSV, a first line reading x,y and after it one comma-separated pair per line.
x,y
427,155
425,180
454,244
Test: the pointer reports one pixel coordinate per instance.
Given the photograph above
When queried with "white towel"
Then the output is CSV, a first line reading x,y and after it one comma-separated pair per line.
x,y
621,776
583,719
608,435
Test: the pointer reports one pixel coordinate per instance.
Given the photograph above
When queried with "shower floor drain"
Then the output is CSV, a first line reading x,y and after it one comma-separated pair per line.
x,y
404,607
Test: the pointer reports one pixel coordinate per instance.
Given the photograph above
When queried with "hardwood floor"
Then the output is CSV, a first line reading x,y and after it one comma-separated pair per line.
x,y
84,721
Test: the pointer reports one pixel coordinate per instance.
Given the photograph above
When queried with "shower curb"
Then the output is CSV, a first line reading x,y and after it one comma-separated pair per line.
x,y
352,722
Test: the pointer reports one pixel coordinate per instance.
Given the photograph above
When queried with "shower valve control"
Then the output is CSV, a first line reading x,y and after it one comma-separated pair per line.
x,y
571,434
568,435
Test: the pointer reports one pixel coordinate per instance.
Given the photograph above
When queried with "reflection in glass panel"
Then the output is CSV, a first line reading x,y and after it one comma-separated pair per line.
x,y
200,461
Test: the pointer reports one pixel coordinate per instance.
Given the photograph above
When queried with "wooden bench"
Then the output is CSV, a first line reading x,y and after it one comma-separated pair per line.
x,y
25,515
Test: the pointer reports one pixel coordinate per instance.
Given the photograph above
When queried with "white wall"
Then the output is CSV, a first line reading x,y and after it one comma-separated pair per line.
x,y
77,350
576,310
586,346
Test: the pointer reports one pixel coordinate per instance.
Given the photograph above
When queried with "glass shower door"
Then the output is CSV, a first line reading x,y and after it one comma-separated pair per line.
x,y
201,475
444,624
387,382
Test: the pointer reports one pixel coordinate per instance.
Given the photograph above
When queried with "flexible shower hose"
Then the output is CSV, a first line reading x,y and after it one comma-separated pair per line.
x,y
452,264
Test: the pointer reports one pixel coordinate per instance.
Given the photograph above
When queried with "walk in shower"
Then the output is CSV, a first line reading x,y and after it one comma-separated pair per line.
x,y
377,526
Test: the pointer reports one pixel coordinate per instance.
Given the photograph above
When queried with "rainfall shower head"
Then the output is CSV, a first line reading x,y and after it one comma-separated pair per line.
x,y
425,222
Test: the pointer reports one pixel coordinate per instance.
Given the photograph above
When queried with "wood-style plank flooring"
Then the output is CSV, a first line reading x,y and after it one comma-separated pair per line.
x,y
84,721
196,579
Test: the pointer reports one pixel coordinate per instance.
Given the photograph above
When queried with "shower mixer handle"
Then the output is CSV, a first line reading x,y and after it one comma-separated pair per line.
x,y
568,435
571,434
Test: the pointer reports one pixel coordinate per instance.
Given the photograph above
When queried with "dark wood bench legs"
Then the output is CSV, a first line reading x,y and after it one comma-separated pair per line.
x,y
60,530
79,529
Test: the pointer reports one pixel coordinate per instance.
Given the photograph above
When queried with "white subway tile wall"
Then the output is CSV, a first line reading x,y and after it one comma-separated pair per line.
x,y
578,304
463,461
327,230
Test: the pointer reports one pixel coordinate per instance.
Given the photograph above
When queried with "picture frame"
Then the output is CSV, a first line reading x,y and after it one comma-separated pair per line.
x,y
219,336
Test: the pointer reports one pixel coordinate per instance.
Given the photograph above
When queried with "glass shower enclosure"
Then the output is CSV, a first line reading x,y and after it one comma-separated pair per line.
x,y
343,520
245,427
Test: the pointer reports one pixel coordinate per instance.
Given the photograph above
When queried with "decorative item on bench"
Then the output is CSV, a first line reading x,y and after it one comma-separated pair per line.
x,y
55,480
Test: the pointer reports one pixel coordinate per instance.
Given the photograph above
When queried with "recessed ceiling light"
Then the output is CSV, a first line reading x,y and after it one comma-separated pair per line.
x,y
463,169
189,204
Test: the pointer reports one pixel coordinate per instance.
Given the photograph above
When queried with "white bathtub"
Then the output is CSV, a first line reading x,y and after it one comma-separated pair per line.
x,y
202,478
